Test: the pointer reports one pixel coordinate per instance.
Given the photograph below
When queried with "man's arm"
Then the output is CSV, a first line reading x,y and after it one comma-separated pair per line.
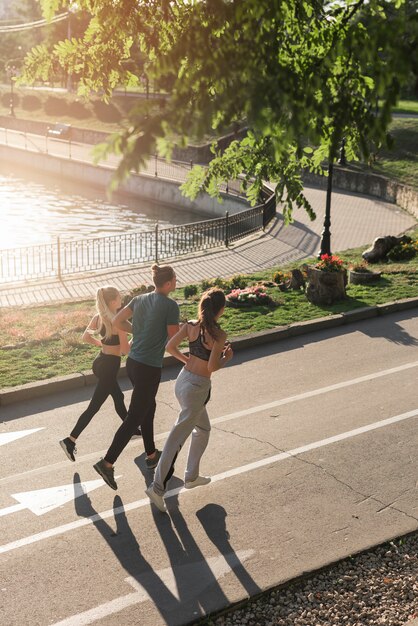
x,y
120,321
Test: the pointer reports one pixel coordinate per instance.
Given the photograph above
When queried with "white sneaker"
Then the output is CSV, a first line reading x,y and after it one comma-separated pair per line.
x,y
156,499
198,482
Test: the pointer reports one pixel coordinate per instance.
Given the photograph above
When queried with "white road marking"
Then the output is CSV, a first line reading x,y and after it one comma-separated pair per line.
x,y
9,437
195,571
231,416
59,530
42,501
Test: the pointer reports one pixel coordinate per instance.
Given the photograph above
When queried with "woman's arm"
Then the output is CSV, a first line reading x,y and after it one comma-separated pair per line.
x,y
88,333
125,346
220,355
120,321
175,341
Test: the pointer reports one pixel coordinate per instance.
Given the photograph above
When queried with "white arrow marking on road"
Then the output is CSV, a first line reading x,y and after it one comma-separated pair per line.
x,y
44,500
8,437
60,530
194,571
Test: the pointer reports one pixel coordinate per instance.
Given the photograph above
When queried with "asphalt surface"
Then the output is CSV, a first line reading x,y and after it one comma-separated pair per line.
x,y
312,457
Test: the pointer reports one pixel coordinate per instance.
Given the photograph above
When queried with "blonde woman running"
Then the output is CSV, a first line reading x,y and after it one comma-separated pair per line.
x,y
112,343
208,352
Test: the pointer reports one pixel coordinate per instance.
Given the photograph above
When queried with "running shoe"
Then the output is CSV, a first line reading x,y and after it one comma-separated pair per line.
x,y
69,448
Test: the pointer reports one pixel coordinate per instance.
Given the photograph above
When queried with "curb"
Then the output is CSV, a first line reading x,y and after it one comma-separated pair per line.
x,y
60,384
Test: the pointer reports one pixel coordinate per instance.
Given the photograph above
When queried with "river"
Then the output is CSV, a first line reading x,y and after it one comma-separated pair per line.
x,y
35,211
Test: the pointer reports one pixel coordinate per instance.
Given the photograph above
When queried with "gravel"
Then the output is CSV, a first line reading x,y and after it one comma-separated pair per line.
x,y
376,587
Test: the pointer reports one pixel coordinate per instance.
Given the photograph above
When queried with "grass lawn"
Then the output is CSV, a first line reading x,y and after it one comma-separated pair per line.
x,y
407,106
401,162
46,340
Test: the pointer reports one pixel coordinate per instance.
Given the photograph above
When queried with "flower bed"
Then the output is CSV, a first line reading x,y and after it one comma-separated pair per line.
x,y
250,296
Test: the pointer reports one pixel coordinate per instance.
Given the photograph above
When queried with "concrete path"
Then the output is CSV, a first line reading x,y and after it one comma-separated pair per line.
x,y
356,221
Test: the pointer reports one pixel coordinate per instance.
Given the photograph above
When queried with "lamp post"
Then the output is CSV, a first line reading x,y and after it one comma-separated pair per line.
x,y
12,73
342,160
326,233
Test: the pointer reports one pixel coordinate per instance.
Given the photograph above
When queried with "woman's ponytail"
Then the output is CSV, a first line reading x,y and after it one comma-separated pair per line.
x,y
211,302
104,296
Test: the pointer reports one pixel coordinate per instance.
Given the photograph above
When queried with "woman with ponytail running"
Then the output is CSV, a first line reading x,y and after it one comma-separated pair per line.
x,y
112,343
208,352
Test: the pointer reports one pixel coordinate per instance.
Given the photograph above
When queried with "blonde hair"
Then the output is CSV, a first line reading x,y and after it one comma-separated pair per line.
x,y
162,274
104,297
211,302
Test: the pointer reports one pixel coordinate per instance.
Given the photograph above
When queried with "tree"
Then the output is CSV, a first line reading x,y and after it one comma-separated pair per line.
x,y
302,75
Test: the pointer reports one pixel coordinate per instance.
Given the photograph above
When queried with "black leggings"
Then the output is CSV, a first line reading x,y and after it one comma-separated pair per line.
x,y
106,368
145,380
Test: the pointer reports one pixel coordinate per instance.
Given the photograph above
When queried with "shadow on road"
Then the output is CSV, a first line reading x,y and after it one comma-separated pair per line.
x,y
188,588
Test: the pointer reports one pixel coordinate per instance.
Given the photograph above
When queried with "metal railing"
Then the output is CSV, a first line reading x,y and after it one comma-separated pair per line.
x,y
65,257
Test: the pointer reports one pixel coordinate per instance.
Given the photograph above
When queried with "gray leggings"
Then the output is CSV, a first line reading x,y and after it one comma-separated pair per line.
x,y
192,392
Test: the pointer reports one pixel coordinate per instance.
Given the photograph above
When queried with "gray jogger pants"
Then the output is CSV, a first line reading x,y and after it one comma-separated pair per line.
x,y
192,392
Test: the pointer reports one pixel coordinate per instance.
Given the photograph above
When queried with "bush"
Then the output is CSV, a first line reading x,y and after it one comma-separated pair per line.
x,y
31,103
238,281
403,251
5,99
106,112
78,110
279,277
55,106
190,290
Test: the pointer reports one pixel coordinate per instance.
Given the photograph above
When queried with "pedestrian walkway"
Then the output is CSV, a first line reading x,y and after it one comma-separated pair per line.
x,y
355,221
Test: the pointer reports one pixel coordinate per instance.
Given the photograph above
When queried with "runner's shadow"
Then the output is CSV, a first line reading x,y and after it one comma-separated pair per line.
x,y
213,519
127,550
196,579
198,589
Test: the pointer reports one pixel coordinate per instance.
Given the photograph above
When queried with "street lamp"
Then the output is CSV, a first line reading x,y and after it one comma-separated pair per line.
x,y
12,72
326,233
342,160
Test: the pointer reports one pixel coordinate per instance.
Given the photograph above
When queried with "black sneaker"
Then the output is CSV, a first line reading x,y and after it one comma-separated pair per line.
x,y
152,463
107,473
69,448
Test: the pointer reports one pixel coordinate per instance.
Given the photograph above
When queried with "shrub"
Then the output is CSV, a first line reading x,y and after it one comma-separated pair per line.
x,y
279,277
31,103
55,106
78,110
5,99
190,290
214,282
403,251
106,112
238,281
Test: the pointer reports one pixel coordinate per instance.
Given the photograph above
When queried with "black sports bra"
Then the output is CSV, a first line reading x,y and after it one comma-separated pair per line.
x,y
196,348
113,340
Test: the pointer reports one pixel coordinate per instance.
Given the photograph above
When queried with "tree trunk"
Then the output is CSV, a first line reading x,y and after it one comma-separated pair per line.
x,y
325,287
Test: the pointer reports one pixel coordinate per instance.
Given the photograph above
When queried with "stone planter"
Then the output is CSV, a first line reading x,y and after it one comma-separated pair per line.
x,y
325,287
363,278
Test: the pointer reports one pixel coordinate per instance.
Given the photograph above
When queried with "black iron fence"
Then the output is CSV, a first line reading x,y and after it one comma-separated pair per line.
x,y
64,257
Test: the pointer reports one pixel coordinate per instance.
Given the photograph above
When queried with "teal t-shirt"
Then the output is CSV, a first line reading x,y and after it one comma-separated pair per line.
x,y
151,314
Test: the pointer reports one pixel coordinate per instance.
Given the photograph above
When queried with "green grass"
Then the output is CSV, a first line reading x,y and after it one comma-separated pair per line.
x,y
407,106
58,350
401,162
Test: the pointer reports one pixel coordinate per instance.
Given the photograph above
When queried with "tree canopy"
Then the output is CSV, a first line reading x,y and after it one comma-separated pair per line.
x,y
300,74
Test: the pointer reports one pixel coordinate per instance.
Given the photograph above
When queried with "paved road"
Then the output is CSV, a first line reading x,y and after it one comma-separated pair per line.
x,y
313,457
